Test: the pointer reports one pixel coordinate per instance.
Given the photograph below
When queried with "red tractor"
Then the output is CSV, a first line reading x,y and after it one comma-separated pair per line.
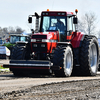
x,y
56,47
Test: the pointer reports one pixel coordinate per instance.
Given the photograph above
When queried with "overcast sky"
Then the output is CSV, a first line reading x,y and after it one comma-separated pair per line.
x,y
15,12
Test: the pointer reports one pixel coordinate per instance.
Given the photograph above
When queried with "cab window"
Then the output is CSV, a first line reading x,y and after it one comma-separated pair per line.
x,y
70,25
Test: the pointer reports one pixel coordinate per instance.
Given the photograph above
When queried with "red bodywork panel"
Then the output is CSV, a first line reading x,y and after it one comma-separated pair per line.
x,y
76,38
50,40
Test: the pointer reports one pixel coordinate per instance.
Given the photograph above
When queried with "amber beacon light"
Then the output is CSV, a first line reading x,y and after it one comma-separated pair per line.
x,y
76,11
47,9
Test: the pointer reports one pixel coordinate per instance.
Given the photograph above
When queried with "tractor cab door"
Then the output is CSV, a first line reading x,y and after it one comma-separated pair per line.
x,y
61,24
70,27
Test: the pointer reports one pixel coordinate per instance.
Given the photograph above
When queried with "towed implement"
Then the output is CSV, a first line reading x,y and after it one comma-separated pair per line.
x,y
56,47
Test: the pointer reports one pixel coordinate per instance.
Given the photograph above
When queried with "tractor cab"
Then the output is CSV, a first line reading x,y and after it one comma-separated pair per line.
x,y
63,22
14,38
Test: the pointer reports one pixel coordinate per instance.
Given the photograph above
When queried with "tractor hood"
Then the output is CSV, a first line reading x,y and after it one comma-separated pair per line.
x,y
45,35
44,42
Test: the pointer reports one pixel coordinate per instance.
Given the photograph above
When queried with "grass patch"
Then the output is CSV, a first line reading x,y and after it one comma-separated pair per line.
x,y
2,67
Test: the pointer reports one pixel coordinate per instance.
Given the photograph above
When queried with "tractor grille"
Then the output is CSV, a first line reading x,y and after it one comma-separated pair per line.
x,y
39,47
39,36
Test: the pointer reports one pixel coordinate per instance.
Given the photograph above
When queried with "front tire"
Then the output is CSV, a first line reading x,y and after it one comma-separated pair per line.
x,y
63,57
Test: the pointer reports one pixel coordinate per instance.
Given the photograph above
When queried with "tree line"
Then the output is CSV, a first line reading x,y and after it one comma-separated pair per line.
x,y
4,32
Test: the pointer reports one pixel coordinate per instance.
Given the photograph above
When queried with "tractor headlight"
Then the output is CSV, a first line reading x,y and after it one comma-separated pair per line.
x,y
34,45
42,45
33,40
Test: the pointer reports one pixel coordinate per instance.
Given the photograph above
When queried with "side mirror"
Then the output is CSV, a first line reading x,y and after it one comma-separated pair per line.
x,y
75,20
30,19
37,16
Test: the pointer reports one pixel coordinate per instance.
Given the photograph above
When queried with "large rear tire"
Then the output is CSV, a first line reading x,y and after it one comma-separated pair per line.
x,y
63,57
20,53
89,56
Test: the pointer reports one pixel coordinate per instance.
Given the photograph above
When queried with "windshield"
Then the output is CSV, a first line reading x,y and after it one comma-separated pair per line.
x,y
53,23
14,39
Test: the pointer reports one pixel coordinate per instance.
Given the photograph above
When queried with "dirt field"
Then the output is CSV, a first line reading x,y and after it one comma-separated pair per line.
x,y
48,87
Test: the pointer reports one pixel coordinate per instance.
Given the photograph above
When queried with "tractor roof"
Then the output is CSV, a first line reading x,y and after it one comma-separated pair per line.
x,y
56,13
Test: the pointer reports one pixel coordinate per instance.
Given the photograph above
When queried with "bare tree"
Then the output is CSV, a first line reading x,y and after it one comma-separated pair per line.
x,y
1,34
19,30
98,34
11,29
4,32
87,23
